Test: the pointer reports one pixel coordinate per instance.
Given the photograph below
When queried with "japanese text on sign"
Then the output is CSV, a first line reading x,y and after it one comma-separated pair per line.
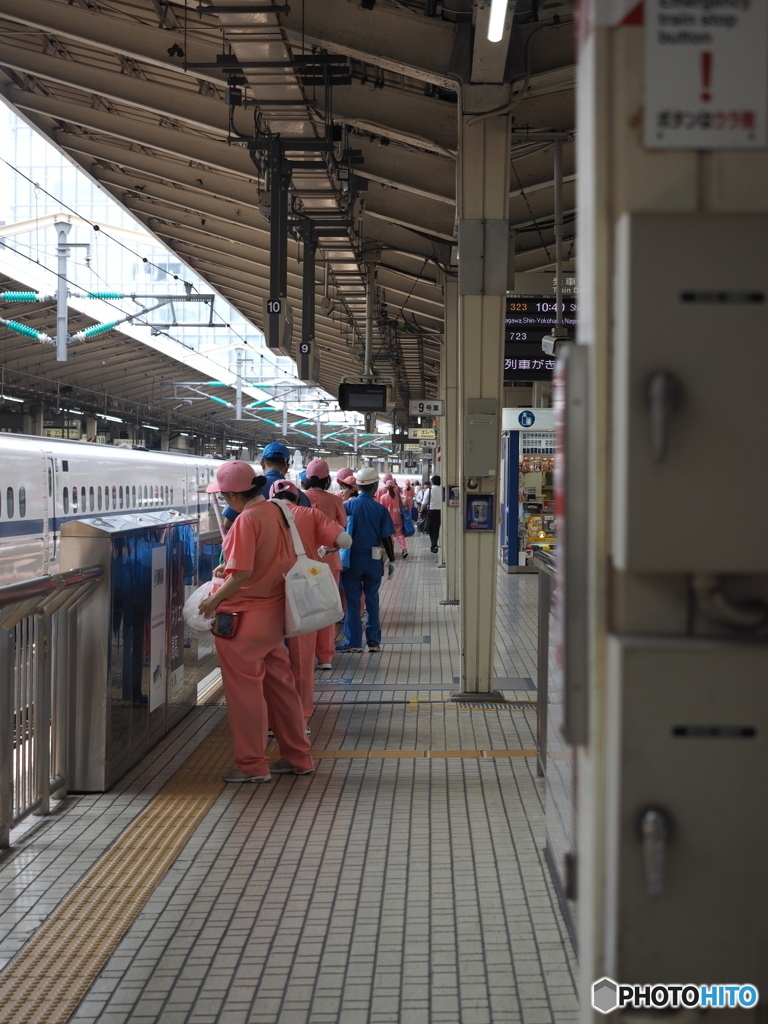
x,y
706,74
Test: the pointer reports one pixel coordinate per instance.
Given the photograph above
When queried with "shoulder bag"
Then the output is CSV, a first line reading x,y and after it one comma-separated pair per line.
x,y
312,598
409,527
421,522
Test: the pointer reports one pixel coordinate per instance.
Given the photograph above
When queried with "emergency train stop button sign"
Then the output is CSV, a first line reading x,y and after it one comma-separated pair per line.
x,y
706,74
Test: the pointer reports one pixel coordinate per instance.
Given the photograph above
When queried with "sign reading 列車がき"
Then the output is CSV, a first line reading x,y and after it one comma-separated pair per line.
x,y
706,74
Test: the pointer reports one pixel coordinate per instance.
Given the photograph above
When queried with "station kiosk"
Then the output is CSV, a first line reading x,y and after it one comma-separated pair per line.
x,y
528,500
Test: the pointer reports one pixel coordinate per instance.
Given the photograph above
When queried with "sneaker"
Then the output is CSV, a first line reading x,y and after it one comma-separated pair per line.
x,y
282,767
307,730
348,649
405,554
374,648
238,775
325,664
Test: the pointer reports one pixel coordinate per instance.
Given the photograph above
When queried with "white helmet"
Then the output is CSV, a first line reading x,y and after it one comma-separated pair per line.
x,y
366,475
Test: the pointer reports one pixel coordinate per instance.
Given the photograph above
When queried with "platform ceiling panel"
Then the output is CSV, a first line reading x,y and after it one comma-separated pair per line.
x,y
119,88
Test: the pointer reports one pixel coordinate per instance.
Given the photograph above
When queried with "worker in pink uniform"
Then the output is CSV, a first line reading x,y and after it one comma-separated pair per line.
x,y
255,669
345,478
390,497
317,531
318,483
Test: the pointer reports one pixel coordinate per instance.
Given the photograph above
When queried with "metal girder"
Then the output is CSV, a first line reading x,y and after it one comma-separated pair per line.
x,y
176,101
412,211
408,117
400,41
180,143
238,189
424,174
113,35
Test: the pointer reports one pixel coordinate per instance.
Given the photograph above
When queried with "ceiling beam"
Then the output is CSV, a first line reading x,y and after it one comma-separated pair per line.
x,y
217,155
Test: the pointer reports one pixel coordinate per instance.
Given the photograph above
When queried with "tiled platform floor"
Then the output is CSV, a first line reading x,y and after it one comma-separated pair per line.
x,y
383,889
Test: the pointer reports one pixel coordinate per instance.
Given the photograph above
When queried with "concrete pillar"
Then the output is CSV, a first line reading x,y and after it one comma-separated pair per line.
x,y
483,168
33,420
639,603
91,426
165,440
450,440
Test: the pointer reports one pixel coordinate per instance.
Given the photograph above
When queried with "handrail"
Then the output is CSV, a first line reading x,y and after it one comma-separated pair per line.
x,y
39,586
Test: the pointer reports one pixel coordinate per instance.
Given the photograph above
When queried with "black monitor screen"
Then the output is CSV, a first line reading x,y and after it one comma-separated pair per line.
x,y
363,397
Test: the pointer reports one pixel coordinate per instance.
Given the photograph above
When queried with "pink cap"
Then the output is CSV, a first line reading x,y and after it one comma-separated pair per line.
x,y
232,476
345,476
279,486
388,478
318,468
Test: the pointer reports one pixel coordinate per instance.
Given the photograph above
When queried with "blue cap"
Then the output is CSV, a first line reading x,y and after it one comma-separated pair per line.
x,y
303,476
276,450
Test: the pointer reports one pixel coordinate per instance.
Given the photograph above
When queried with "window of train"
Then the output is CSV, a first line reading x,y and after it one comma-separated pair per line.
x,y
98,498
74,499
91,500
114,496
133,496
9,502
166,494
50,483
158,499
65,500
22,502
121,495
171,493
82,499
145,494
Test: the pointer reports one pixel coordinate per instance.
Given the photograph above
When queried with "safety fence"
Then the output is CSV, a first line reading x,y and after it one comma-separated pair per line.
x,y
35,631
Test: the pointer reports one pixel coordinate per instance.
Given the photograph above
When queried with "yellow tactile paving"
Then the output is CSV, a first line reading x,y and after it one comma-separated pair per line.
x,y
54,970
342,755
454,753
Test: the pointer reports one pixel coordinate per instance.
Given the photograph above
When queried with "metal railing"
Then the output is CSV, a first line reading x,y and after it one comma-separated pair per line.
x,y
547,575
34,675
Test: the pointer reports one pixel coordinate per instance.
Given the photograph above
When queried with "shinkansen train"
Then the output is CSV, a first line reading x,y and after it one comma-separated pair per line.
x,y
45,482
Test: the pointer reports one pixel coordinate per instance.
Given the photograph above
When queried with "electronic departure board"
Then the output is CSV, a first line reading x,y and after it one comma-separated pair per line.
x,y
528,319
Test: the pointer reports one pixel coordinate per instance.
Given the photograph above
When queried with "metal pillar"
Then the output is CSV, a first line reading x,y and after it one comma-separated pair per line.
x,y
239,387
279,182
483,211
7,655
370,297
308,361
450,439
62,251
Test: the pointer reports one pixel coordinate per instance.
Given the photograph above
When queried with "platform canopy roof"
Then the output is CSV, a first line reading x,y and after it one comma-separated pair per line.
x,y
133,92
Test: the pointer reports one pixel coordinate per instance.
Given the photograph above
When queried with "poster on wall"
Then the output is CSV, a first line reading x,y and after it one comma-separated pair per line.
x,y
706,74
157,662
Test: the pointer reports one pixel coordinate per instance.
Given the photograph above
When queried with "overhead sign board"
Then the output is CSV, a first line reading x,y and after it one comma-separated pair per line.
x,y
425,407
422,433
411,447
528,318
706,74
278,325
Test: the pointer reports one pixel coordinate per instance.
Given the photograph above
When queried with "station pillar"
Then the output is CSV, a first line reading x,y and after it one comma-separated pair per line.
x,y
483,170
449,440
672,301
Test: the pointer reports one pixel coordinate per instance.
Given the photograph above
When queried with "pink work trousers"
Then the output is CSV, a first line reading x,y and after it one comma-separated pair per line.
x,y
325,646
256,672
400,537
302,655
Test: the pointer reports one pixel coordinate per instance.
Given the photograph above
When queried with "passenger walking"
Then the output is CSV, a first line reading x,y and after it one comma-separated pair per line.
x,y
318,483
372,530
392,501
317,531
275,460
249,631
432,506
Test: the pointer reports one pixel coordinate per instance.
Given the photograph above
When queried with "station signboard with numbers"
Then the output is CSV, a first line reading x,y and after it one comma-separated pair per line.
x,y
425,407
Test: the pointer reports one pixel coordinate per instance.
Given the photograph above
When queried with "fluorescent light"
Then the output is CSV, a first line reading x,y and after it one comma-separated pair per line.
x,y
148,426
112,419
496,20
9,398
77,412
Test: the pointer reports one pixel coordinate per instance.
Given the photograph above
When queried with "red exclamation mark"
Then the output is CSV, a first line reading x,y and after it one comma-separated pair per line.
x,y
706,76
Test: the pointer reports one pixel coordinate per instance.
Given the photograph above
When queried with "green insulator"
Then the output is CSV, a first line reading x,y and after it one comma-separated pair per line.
x,y
103,295
19,296
92,332
28,332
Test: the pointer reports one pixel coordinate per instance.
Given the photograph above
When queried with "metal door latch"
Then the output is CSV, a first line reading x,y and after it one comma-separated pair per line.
x,y
663,394
655,829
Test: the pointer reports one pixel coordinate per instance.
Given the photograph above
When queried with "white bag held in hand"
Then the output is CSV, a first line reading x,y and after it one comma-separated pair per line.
x,y
312,598
191,610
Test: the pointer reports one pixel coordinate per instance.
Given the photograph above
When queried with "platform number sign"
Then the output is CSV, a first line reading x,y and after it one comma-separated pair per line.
x,y
278,325
305,348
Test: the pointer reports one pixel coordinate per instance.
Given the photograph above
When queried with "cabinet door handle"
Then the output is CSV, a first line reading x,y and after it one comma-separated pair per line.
x,y
663,394
655,829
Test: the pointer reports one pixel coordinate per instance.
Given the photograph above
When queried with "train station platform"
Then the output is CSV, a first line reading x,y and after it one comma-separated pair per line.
x,y
403,882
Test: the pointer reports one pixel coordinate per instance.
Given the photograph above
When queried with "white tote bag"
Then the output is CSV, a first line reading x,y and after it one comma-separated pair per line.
x,y
312,599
